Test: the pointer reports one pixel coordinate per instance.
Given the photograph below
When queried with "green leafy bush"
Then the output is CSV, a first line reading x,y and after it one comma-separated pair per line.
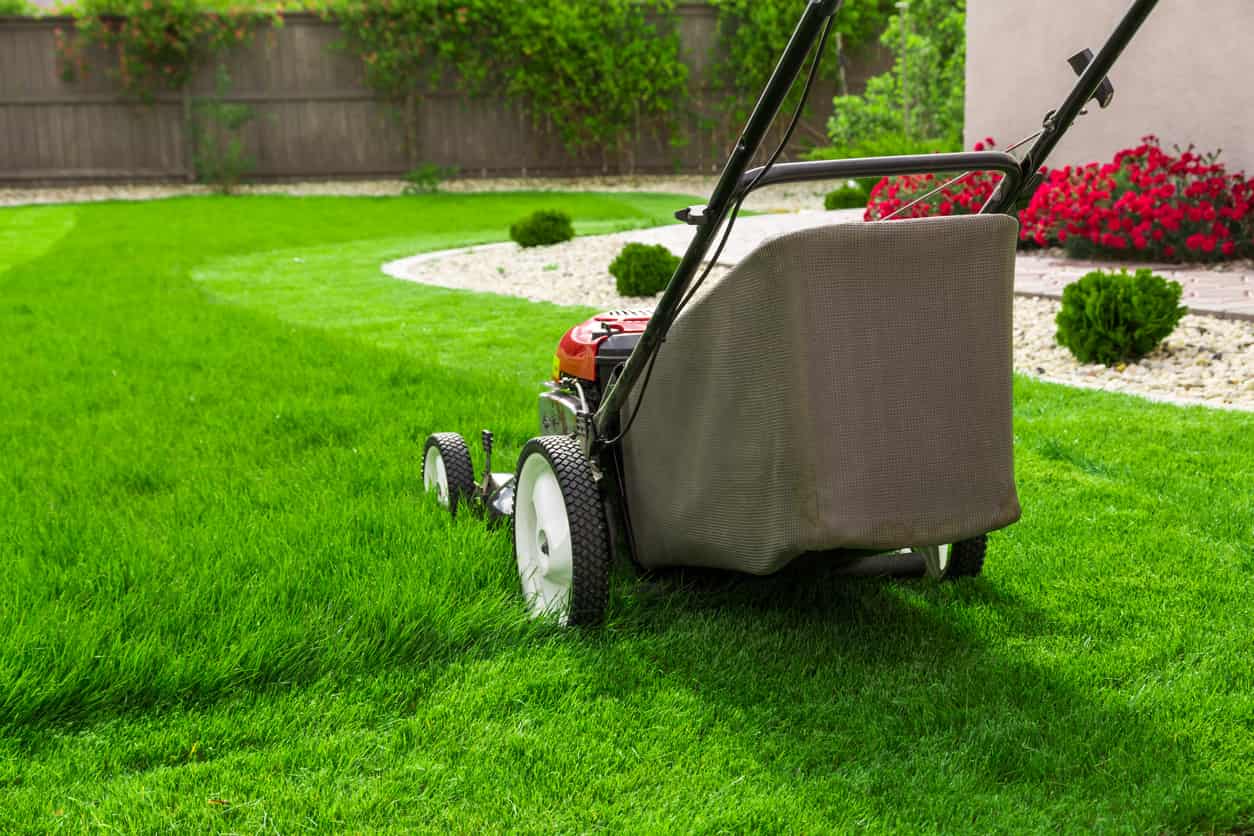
x,y
1113,317
217,137
849,196
589,71
643,269
16,8
427,178
541,228
886,144
923,94
158,43
753,33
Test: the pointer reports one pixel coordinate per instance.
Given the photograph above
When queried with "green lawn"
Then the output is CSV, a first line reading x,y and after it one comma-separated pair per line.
x,y
226,605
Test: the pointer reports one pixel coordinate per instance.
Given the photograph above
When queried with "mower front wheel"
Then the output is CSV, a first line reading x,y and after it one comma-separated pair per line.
x,y
561,540
447,471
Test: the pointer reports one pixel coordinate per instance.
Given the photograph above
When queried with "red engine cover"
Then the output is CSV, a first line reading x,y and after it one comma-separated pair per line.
x,y
577,352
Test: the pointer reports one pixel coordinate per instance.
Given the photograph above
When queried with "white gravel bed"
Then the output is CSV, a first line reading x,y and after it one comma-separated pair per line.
x,y
789,197
574,273
1207,360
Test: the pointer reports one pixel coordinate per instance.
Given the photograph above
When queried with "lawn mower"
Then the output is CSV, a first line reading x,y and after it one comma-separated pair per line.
x,y
842,391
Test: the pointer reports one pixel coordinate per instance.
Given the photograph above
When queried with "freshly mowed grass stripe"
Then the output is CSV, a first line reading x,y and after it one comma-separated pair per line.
x,y
224,586
30,232
173,446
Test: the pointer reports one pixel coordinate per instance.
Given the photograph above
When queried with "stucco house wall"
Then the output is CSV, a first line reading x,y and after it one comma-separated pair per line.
x,y
1187,77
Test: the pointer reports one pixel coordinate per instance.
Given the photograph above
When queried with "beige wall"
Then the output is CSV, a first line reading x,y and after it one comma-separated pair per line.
x,y
1188,76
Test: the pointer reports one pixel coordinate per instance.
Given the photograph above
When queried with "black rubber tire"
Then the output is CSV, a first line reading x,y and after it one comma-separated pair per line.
x,y
589,535
966,558
458,468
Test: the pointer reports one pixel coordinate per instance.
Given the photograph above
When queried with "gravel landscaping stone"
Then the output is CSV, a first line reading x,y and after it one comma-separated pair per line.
x,y
574,273
1207,360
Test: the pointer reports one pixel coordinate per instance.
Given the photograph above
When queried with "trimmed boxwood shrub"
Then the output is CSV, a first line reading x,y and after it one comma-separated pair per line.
x,y
541,228
643,269
850,196
1113,317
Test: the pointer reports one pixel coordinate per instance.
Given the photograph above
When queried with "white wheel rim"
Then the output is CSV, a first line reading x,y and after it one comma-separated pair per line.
x,y
434,477
935,558
542,541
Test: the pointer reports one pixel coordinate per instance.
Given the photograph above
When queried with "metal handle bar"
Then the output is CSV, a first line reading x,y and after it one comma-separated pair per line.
x,y
888,166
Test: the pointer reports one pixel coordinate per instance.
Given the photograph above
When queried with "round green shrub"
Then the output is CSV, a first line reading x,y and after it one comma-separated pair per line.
x,y
1114,317
541,228
643,269
849,196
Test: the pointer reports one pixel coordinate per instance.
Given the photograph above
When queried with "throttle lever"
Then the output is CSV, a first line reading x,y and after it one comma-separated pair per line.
x,y
1105,91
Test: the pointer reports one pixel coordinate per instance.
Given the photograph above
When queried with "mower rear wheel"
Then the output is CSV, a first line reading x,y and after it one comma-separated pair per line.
x,y
447,470
561,540
964,559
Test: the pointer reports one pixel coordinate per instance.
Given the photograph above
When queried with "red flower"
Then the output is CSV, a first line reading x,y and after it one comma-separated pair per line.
x,y
1147,199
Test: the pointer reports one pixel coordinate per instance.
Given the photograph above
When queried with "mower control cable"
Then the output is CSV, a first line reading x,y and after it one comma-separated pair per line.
x,y
954,180
731,222
779,149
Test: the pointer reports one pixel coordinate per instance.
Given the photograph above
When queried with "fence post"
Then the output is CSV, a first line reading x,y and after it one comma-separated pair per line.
x,y
410,121
189,151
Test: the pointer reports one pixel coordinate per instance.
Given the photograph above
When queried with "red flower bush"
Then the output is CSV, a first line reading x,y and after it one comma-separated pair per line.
x,y
964,197
1146,204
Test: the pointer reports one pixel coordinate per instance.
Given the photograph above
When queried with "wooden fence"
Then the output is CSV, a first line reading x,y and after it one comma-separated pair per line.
x,y
316,118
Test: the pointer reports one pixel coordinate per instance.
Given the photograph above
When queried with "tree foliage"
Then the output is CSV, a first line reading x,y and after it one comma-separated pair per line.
x,y
753,34
923,95
591,70
155,45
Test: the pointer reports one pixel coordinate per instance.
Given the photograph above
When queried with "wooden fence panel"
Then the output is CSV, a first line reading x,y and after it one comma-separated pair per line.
x,y
316,118
53,129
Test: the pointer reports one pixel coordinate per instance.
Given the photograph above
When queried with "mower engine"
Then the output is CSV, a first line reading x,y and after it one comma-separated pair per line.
x,y
587,359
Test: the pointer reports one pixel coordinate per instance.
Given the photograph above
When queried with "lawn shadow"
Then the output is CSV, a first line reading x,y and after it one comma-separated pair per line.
x,y
900,692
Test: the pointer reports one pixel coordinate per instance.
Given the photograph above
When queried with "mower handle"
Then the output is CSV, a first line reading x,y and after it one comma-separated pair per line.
x,y
885,167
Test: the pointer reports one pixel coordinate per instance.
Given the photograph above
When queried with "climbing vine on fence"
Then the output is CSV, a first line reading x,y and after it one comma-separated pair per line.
x,y
590,68
595,71
155,44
